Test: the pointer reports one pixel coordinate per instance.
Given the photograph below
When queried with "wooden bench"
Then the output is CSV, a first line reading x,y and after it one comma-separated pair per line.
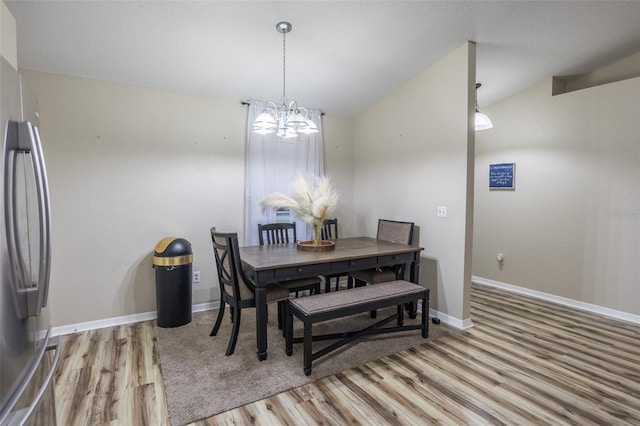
x,y
338,304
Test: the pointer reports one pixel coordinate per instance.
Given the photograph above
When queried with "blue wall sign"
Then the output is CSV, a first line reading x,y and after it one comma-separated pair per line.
x,y
501,176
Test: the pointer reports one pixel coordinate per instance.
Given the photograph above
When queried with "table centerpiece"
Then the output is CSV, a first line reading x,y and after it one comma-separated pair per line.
x,y
313,201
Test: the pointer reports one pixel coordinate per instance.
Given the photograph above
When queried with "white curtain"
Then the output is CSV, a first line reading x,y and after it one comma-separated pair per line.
x,y
272,163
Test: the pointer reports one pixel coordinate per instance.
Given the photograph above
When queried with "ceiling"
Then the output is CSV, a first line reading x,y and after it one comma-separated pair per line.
x,y
341,55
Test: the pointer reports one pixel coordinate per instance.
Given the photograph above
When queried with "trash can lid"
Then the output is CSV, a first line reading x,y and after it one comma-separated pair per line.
x,y
171,251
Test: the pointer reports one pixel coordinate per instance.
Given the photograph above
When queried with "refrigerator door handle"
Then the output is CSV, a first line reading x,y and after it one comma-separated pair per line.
x,y
26,295
29,296
28,141
21,418
45,215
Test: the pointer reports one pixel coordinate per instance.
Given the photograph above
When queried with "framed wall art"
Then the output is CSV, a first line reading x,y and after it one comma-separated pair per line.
x,y
502,176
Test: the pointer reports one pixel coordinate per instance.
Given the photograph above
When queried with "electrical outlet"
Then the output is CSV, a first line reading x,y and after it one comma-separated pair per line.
x,y
196,276
442,211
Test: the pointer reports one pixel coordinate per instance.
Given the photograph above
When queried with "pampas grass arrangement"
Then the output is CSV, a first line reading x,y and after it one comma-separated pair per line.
x,y
313,201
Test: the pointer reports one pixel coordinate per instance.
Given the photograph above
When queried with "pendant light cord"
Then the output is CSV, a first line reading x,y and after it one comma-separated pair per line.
x,y
284,68
284,120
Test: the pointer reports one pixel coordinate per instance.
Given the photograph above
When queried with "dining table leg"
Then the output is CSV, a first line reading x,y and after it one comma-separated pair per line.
x,y
414,276
261,321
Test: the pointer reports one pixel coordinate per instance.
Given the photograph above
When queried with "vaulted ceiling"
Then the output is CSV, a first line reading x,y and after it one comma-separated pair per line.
x,y
341,55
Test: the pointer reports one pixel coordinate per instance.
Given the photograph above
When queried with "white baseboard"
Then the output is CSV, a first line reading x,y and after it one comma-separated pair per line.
x,y
148,316
447,319
452,321
126,319
596,309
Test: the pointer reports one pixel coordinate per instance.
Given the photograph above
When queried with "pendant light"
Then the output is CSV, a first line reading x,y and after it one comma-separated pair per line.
x,y
482,121
285,120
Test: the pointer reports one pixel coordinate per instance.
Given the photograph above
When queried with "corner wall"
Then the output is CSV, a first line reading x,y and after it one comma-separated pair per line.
x,y
412,153
571,228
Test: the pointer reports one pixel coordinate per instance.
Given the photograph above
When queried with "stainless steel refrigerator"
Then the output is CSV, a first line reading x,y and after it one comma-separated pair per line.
x,y
28,352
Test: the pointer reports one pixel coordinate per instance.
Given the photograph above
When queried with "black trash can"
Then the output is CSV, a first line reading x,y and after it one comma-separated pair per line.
x,y
172,260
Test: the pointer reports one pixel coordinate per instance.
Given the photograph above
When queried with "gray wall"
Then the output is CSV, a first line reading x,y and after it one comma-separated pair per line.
x,y
129,166
571,228
414,152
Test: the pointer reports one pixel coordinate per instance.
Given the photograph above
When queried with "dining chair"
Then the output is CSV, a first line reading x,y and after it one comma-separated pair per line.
x,y
277,233
329,229
236,289
388,230
395,232
330,232
283,233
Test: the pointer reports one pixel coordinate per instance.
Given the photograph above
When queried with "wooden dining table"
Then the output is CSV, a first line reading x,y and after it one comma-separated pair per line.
x,y
270,264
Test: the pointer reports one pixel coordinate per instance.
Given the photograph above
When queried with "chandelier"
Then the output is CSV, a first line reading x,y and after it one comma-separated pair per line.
x,y
285,120
483,122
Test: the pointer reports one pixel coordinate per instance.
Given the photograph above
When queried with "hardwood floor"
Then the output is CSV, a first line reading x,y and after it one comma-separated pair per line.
x,y
111,376
526,361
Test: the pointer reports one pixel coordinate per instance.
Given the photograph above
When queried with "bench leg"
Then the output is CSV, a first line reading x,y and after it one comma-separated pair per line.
x,y
400,315
308,340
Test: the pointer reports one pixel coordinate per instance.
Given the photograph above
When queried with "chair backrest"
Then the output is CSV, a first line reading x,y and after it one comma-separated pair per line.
x,y
394,231
230,274
330,229
277,233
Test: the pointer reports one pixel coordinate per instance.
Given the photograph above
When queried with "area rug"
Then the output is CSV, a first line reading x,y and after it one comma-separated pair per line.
x,y
201,381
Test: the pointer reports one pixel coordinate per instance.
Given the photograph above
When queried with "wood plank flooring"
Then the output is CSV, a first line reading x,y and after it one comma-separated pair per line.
x,y
525,362
111,376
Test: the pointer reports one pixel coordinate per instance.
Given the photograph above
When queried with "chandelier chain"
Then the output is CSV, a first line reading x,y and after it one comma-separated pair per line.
x,y
286,121
284,68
